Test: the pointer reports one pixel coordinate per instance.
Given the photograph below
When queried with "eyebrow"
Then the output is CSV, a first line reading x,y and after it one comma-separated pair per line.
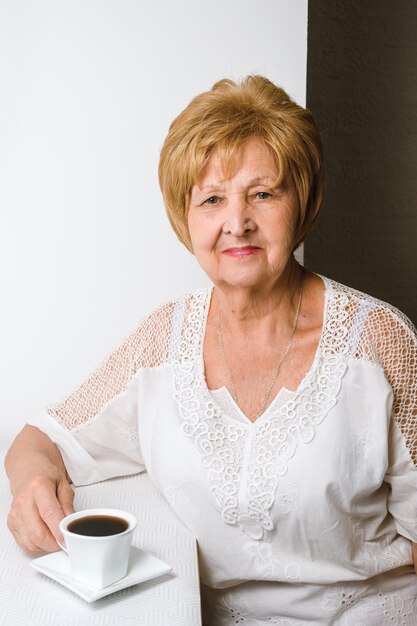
x,y
217,186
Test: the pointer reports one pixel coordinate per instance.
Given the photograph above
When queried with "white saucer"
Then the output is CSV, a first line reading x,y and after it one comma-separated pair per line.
x,y
142,567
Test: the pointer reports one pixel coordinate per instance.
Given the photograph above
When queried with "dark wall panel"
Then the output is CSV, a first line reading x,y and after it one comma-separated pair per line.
x,y
362,89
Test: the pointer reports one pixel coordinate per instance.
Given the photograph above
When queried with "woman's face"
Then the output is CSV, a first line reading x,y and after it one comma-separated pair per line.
x,y
243,228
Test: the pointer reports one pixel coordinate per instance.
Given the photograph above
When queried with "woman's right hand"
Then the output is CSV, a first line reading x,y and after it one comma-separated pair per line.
x,y
42,494
37,509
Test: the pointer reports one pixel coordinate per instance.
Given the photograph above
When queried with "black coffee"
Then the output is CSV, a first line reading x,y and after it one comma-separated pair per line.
x,y
98,526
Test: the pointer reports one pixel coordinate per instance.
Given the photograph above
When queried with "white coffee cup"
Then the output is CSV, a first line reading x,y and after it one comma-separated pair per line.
x,y
98,561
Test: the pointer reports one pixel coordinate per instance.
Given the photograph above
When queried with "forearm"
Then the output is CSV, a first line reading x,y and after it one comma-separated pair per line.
x,y
31,453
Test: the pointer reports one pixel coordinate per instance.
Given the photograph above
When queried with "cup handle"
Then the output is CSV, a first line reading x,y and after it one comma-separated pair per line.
x,y
61,546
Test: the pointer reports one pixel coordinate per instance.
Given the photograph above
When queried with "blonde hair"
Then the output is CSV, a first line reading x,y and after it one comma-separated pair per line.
x,y
222,119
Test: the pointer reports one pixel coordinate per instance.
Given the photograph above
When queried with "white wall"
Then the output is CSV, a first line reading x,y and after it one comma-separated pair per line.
x,y
87,91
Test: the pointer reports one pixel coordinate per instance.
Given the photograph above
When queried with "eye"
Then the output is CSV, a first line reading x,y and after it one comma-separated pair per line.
x,y
212,200
262,195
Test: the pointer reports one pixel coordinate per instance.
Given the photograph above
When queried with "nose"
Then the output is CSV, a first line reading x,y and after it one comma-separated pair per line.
x,y
238,219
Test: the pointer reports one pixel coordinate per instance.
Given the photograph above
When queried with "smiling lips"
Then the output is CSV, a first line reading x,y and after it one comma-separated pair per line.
x,y
241,251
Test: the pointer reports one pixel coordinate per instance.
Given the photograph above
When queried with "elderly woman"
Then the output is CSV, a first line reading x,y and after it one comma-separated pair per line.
x,y
276,410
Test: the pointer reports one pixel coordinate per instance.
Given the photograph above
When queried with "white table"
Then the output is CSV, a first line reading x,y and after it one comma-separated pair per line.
x,y
27,597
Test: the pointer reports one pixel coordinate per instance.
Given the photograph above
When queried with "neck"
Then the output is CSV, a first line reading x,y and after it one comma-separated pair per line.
x,y
244,307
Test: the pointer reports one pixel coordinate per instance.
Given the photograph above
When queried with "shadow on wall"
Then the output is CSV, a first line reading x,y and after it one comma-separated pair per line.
x,y
362,89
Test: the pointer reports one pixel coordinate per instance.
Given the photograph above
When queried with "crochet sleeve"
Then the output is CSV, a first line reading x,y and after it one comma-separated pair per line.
x,y
396,346
96,426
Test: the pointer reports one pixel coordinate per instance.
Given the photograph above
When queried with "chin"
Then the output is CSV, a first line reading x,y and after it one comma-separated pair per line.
x,y
242,282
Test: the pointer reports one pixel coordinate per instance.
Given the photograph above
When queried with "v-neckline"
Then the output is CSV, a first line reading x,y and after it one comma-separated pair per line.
x,y
283,390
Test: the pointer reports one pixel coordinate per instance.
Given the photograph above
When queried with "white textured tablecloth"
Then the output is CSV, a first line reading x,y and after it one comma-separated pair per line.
x,y
30,598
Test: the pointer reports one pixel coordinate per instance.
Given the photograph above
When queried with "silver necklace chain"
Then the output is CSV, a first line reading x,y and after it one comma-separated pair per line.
x,y
281,361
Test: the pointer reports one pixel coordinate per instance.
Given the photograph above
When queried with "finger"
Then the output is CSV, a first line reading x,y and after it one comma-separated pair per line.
x,y
30,533
22,541
41,514
36,514
414,547
36,532
65,495
50,514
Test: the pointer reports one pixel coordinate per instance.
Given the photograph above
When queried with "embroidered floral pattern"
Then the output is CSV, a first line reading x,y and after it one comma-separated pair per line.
x,y
286,498
220,445
364,443
339,599
268,566
245,614
177,496
130,436
382,555
396,610
346,605
277,438
342,604
276,435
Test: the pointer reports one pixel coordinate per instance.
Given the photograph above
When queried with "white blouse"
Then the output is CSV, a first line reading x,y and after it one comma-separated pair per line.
x,y
304,516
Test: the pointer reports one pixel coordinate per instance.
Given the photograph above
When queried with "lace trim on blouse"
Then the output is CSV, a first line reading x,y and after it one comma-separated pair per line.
x,y
264,447
243,460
